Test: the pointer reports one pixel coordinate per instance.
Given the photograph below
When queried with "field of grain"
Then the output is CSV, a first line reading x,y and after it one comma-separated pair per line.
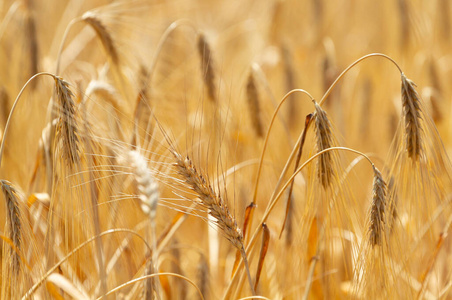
x,y
226,149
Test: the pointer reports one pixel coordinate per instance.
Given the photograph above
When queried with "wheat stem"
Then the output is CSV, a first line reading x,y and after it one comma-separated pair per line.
x,y
14,107
351,66
57,265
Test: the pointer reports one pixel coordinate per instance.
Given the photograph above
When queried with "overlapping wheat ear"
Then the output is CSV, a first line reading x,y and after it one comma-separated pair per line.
x,y
254,105
216,206
207,67
412,118
377,210
14,225
324,140
67,132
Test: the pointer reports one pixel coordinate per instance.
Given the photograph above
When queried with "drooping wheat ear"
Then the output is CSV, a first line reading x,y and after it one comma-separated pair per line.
x,y
254,105
209,199
148,187
207,68
377,210
67,132
14,226
216,206
324,140
412,118
104,35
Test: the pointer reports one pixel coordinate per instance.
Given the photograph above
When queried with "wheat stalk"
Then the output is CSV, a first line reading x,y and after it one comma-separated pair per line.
x,y
377,210
412,117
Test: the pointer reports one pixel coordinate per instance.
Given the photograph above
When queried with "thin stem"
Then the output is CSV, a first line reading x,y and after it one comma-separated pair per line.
x,y
256,184
274,200
51,270
63,41
150,276
14,107
163,40
351,66
247,267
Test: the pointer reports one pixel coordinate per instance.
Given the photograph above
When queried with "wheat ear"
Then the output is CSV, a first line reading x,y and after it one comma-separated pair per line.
x,y
149,196
208,73
254,105
324,140
14,225
377,210
104,35
216,206
67,132
412,118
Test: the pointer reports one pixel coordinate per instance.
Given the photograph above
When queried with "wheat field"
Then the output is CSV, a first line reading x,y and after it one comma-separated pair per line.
x,y
212,149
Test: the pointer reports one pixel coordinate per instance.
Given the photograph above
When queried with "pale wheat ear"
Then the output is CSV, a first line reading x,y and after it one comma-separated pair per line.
x,y
324,140
412,119
377,210
254,105
207,66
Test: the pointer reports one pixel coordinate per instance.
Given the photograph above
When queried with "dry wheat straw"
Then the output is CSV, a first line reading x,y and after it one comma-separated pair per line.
x,y
324,140
67,132
14,225
254,106
412,118
377,211
208,73
104,35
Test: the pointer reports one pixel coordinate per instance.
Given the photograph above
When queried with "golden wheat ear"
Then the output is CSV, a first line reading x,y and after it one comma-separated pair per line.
x,y
324,140
377,211
13,223
67,131
254,105
412,118
103,34
207,67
